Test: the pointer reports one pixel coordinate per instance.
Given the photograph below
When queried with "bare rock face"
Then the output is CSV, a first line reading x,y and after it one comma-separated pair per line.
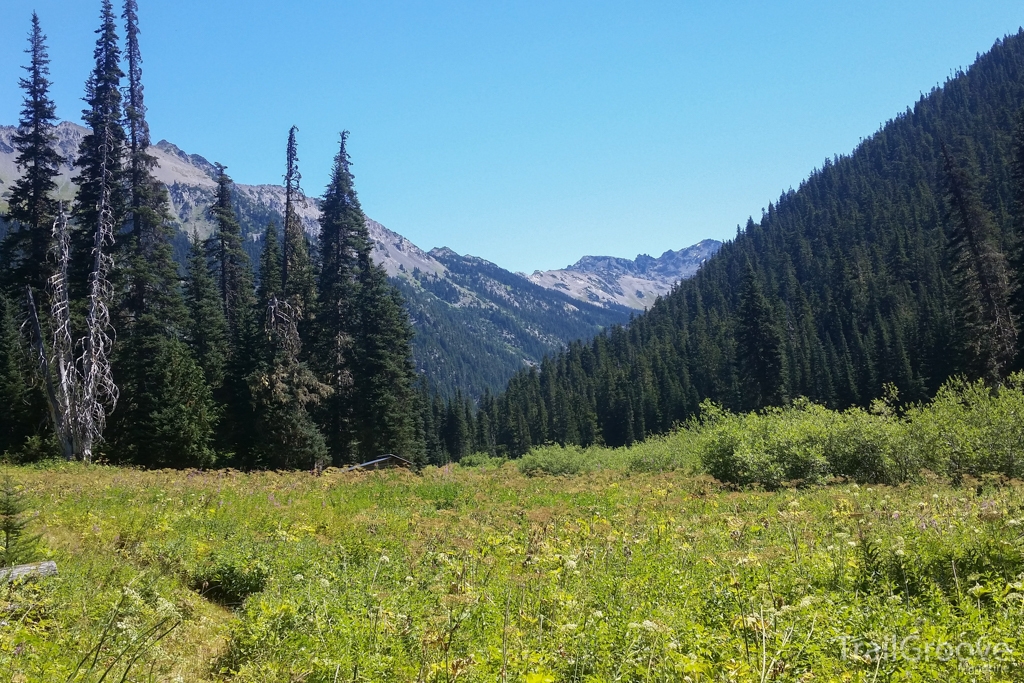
x,y
607,280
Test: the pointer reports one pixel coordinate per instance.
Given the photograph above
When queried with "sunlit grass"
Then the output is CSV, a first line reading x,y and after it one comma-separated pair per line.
x,y
484,574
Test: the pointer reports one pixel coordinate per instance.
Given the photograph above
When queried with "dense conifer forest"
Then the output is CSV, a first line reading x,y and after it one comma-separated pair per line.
x,y
896,266
106,351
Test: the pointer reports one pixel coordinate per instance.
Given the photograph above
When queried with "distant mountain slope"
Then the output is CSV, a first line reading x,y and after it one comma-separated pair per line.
x,y
607,280
476,324
854,273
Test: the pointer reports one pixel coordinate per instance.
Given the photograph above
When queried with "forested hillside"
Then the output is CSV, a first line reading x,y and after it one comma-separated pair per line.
x,y
479,324
855,280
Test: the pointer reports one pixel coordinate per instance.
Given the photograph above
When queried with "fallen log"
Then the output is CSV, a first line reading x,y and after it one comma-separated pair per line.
x,y
28,571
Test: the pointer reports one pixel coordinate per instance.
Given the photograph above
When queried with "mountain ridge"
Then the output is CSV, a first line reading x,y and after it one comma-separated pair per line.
x,y
476,323
636,283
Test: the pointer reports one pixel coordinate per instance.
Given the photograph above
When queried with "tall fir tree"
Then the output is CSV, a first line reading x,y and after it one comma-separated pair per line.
x,y
234,281
208,334
284,392
386,415
343,239
988,328
231,264
151,273
282,388
33,206
362,336
270,268
101,189
297,277
160,379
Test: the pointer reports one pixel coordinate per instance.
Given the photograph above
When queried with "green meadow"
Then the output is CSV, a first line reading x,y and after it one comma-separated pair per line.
x,y
484,574
876,545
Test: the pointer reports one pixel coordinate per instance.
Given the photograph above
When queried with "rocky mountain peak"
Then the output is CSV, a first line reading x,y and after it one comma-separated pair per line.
x,y
636,283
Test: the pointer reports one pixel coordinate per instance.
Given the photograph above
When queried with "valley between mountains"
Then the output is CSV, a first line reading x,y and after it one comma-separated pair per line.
x,y
476,323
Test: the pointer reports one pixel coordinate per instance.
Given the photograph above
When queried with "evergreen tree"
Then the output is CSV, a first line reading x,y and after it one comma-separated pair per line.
x,y
151,273
231,263
270,268
383,374
233,273
988,329
284,390
759,347
24,414
140,161
33,207
101,193
18,546
343,240
161,381
362,336
184,414
1017,253
456,429
297,277
208,330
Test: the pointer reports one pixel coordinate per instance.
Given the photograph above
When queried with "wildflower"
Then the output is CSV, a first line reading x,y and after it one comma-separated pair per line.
x,y
651,626
298,577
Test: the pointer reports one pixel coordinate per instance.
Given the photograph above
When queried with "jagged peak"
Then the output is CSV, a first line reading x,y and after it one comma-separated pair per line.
x,y
444,252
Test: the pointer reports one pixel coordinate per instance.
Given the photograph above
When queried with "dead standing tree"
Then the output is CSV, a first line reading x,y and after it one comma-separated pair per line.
x,y
79,390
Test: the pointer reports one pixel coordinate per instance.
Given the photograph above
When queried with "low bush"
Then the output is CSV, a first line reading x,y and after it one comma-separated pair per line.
x,y
970,429
481,460
556,460
669,453
769,448
230,576
569,460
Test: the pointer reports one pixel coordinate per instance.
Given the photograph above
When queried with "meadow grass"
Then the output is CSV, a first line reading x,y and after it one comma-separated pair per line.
x,y
488,574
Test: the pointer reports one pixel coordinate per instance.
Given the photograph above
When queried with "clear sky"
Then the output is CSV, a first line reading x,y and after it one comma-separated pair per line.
x,y
529,133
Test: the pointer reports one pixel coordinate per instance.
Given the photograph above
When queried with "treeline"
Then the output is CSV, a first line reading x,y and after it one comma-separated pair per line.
x,y
899,264
106,351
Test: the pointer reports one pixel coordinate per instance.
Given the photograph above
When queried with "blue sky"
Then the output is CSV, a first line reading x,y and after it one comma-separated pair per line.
x,y
529,133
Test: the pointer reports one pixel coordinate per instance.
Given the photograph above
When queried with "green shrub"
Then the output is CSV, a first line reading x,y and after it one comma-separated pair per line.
x,y
555,460
970,429
805,442
867,447
19,547
481,460
571,460
769,448
669,453
230,576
